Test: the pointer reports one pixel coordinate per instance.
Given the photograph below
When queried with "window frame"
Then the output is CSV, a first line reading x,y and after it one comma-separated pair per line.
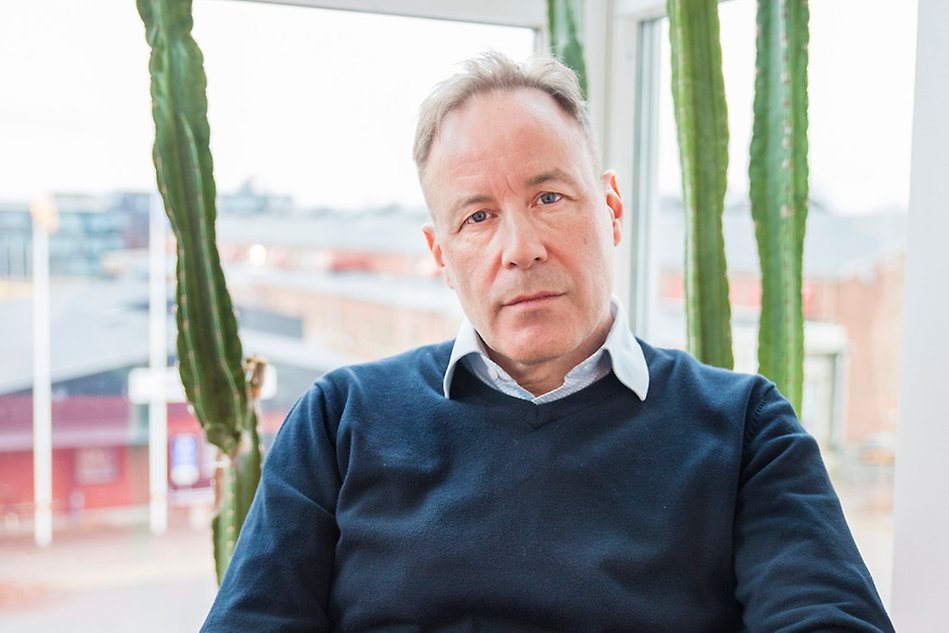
x,y
524,13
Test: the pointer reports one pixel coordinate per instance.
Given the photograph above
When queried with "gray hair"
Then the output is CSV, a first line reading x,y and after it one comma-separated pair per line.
x,y
491,72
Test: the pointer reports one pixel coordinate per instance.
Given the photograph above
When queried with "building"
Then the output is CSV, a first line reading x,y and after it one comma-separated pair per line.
x,y
318,289
852,299
90,228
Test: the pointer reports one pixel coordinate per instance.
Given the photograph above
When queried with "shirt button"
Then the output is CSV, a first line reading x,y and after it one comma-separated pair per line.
x,y
493,373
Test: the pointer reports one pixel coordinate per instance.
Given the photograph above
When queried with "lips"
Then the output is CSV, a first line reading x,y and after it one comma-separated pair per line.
x,y
532,299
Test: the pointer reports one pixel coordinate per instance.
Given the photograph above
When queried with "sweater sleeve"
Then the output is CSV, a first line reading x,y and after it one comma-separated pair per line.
x,y
279,577
796,564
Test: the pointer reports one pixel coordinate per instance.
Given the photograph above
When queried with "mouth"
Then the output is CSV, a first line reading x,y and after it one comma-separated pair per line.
x,y
532,300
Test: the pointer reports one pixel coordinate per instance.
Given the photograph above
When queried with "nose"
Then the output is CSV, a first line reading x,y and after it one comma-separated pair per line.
x,y
522,243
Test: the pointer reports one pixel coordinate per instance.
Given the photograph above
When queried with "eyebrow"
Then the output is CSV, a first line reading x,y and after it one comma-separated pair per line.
x,y
547,176
478,198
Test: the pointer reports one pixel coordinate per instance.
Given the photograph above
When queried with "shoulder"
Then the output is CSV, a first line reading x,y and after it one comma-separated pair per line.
x,y
417,371
364,391
677,376
684,370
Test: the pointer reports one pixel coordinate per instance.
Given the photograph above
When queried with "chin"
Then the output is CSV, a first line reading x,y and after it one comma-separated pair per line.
x,y
537,350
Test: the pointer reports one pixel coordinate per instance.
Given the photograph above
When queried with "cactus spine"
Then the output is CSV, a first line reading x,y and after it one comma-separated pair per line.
x,y
779,189
698,91
209,350
563,21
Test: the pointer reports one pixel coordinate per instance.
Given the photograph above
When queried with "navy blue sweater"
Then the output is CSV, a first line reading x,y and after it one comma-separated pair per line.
x,y
385,506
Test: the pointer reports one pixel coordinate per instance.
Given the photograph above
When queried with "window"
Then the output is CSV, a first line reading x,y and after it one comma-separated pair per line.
x,y
854,247
312,115
320,214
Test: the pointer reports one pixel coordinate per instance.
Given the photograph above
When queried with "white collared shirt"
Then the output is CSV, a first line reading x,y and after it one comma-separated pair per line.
x,y
620,353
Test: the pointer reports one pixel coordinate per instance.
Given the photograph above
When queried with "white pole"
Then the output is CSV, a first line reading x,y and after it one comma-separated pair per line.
x,y
44,219
157,362
921,497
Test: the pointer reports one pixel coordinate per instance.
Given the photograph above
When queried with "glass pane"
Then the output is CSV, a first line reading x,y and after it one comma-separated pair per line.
x,y
312,115
860,114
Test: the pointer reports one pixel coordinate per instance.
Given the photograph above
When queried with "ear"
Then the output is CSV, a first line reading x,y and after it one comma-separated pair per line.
x,y
435,248
615,203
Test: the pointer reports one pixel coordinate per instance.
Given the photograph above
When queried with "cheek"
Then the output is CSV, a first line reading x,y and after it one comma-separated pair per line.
x,y
460,270
592,261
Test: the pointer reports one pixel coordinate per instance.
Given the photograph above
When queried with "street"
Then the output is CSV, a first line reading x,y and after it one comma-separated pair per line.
x,y
107,580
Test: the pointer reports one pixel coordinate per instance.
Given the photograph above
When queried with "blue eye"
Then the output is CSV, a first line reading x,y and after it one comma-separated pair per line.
x,y
477,217
549,197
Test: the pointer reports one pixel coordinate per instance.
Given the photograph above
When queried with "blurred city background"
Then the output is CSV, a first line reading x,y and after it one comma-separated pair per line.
x,y
319,232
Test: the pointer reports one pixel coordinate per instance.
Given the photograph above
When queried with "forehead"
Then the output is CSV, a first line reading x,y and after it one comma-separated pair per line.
x,y
509,131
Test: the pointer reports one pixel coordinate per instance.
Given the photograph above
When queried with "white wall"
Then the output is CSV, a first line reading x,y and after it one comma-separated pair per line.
x,y
921,512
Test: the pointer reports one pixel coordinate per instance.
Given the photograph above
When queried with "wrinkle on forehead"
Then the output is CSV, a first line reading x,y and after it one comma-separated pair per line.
x,y
498,141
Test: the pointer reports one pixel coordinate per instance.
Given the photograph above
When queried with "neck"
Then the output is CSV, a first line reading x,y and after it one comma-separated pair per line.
x,y
547,374
540,380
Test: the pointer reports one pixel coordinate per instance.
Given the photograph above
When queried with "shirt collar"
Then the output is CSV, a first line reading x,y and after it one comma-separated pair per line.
x,y
624,352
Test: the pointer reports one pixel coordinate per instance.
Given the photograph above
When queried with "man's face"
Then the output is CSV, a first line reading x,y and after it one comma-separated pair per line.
x,y
524,227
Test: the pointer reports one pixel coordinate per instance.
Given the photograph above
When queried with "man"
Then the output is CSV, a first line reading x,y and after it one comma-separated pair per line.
x,y
544,471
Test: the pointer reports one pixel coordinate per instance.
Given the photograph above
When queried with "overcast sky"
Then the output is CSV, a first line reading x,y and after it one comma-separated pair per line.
x,y
860,75
321,104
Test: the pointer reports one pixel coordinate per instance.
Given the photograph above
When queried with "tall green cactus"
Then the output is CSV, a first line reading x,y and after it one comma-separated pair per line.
x,y
237,478
209,350
778,183
565,26
698,91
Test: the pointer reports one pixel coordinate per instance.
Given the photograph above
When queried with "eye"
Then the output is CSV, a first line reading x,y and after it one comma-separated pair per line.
x,y
549,197
477,217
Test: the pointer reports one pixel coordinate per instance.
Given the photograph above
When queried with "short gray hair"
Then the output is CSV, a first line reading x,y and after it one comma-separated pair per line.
x,y
491,72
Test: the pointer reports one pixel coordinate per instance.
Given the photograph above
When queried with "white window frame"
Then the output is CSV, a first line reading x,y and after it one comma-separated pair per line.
x,y
524,13
921,495
625,110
